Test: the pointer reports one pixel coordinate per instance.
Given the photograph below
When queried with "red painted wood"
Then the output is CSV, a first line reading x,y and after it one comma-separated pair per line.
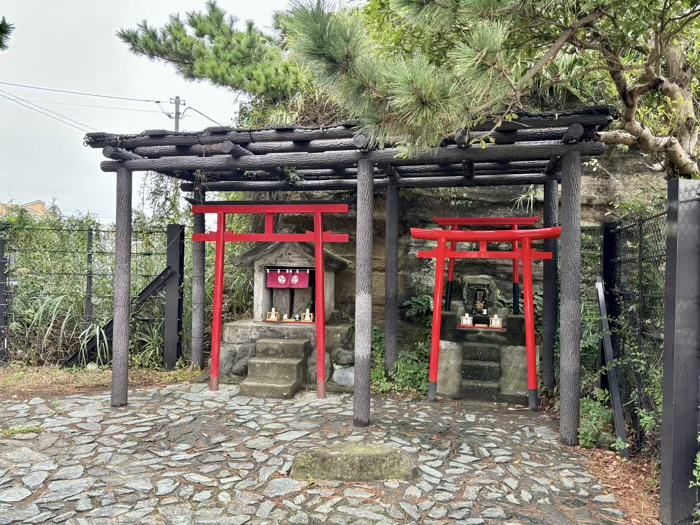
x,y
486,221
437,311
275,237
272,208
486,235
218,302
530,345
269,223
535,255
320,313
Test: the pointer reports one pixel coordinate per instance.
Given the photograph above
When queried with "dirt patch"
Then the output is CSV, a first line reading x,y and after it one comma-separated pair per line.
x,y
635,483
24,382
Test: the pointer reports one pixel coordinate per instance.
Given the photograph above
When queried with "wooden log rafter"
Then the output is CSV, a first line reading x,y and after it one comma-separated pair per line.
x,y
512,152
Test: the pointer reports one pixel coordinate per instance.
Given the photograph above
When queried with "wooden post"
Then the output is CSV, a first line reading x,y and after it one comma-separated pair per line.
x,y
122,290
550,286
679,428
320,305
218,301
173,296
437,320
391,282
530,343
89,310
570,361
4,357
363,293
199,299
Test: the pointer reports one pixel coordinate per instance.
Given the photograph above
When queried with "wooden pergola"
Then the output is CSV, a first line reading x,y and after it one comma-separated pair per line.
x,y
541,149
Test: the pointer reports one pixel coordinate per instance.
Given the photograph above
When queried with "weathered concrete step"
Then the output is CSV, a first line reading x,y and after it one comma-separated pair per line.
x,y
481,352
486,390
266,389
275,369
481,370
285,348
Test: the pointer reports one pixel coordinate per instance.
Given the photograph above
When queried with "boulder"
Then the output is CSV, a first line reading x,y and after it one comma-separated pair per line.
x,y
344,376
311,375
343,356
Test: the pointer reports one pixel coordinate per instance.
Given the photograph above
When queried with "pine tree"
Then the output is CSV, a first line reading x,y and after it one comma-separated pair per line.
x,y
210,46
497,56
6,30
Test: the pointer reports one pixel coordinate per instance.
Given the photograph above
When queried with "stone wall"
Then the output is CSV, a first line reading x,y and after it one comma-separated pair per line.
x,y
615,177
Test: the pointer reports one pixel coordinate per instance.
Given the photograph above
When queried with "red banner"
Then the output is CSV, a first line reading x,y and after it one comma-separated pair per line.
x,y
278,279
299,279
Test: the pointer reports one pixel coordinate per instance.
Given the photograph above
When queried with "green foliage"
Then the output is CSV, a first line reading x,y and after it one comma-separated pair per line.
x,y
410,375
417,70
419,309
209,46
6,30
695,482
11,432
595,417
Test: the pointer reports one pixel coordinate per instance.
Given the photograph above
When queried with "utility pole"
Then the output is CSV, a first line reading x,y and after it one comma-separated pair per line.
x,y
178,114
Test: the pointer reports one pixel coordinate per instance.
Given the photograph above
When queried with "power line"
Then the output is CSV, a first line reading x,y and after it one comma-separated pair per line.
x,y
81,93
93,106
205,116
48,110
43,113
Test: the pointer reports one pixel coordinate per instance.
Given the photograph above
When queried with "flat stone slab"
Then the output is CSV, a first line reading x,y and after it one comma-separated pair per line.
x,y
355,462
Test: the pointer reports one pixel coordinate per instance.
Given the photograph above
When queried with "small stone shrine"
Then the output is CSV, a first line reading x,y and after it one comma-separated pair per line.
x,y
275,355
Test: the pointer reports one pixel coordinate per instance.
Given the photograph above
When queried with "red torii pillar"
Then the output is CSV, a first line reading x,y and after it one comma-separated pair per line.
x,y
455,223
318,237
527,254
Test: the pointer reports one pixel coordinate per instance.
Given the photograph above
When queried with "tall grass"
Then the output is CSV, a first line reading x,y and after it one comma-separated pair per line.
x,y
47,267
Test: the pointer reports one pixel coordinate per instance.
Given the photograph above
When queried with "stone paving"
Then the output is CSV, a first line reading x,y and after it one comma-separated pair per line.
x,y
184,455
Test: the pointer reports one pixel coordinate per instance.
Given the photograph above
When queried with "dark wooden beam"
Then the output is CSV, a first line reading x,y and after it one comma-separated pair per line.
x,y
479,167
550,288
341,159
114,153
391,277
454,181
199,296
98,140
548,121
570,309
363,294
236,151
121,333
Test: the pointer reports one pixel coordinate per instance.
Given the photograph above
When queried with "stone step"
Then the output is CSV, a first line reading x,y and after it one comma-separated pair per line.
x,y
284,348
481,352
481,370
275,369
266,389
484,390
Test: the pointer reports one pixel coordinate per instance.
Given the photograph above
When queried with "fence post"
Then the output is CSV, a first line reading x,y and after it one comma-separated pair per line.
x,y
174,296
89,314
679,428
609,259
4,356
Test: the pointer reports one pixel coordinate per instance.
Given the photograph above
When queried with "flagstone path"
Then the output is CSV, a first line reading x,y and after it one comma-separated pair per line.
x,y
184,455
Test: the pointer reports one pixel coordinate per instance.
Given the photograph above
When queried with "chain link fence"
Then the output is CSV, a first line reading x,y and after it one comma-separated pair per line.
x,y
57,289
636,272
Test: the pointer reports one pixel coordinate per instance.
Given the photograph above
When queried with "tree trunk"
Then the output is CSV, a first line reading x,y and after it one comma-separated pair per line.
x,y
570,332
550,286
122,290
391,282
199,299
363,294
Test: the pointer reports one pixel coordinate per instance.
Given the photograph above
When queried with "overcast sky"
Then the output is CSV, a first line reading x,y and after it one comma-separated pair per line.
x,y
71,45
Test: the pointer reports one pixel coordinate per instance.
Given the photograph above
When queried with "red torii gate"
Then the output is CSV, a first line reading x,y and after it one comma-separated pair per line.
x,y
527,253
318,237
512,222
